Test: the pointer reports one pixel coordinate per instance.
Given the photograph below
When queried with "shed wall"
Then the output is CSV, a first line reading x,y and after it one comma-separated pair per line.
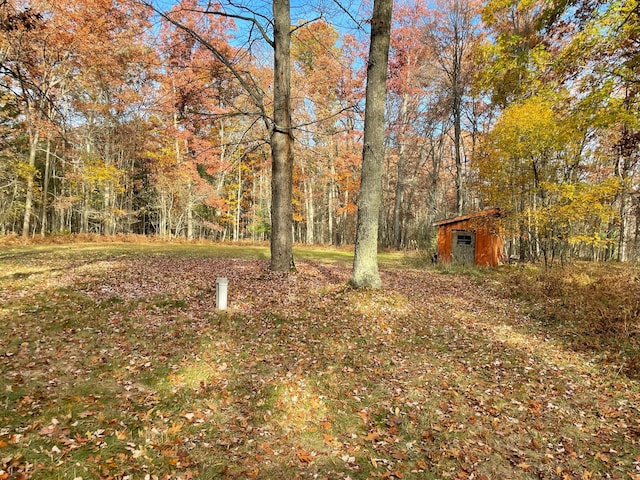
x,y
489,241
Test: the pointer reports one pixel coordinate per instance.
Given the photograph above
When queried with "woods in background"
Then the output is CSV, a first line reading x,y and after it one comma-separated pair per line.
x,y
115,121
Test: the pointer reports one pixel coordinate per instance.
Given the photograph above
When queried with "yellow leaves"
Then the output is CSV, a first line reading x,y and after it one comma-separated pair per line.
x,y
97,173
528,130
578,210
175,428
24,170
528,165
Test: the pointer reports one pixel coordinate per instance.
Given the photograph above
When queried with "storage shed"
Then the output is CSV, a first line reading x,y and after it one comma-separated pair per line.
x,y
474,239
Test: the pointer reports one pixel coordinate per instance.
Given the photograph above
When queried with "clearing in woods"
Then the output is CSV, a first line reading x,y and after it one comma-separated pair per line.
x,y
115,364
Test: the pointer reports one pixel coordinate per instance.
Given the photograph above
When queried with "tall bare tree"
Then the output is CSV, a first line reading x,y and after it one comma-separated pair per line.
x,y
281,141
451,34
365,263
278,125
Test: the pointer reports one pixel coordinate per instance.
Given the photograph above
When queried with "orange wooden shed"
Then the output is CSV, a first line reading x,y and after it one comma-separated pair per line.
x,y
474,239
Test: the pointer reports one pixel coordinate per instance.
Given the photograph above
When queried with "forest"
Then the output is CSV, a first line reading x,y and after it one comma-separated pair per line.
x,y
126,117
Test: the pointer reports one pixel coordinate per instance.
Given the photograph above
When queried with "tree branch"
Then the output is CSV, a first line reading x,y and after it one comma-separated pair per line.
x,y
341,7
328,117
252,90
252,20
247,9
304,24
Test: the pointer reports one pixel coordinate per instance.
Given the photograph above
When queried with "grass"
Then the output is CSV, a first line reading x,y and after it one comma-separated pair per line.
x,y
116,364
88,247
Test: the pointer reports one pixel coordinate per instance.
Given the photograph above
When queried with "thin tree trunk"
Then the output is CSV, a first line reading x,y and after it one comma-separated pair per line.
x,y
190,216
236,230
309,209
84,228
400,181
365,264
457,126
28,202
45,188
331,211
331,195
622,171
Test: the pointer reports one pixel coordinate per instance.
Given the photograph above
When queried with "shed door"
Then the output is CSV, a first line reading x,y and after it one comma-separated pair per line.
x,y
463,248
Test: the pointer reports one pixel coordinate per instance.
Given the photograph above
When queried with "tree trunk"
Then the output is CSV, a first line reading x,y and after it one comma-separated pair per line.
x,y
310,212
365,263
190,203
45,189
281,142
281,137
623,170
331,196
331,209
457,130
28,202
400,181
84,216
236,228
456,81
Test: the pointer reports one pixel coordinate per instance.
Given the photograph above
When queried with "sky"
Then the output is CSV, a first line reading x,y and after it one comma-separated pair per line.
x,y
348,16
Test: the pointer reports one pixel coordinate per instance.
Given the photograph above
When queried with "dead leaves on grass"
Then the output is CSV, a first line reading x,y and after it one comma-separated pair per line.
x,y
302,377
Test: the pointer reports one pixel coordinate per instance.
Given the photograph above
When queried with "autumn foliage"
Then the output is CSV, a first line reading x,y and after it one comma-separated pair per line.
x,y
116,120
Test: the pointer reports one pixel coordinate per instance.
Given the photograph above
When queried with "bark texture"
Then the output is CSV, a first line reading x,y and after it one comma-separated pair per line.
x,y
281,142
365,264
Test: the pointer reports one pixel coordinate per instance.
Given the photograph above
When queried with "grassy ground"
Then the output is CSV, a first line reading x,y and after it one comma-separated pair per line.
x,y
115,364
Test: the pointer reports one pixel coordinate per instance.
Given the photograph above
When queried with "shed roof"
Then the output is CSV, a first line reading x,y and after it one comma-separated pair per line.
x,y
492,212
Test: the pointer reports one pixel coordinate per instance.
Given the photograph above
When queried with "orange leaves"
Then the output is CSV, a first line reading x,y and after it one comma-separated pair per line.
x,y
331,441
265,447
372,436
535,407
305,456
364,415
524,466
254,473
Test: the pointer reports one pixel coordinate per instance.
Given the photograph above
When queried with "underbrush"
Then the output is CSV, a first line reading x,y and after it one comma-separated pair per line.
x,y
75,238
593,307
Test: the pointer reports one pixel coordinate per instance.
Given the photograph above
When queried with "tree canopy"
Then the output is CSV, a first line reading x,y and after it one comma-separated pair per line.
x,y
116,119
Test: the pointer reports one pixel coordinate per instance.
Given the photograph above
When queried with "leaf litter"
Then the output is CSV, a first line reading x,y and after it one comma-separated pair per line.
x,y
123,368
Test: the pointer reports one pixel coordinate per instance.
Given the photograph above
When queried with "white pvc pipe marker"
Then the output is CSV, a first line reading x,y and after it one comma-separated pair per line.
x,y
221,293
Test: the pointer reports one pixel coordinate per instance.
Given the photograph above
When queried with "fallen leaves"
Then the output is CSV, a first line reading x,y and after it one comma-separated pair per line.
x,y
305,456
302,377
